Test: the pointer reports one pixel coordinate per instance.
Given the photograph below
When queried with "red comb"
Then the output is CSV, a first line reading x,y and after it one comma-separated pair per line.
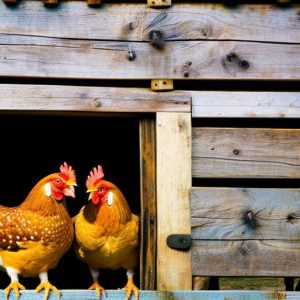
x,y
95,174
68,171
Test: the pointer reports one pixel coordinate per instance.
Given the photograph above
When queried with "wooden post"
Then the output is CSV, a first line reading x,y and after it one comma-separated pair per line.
x,y
148,205
173,141
162,85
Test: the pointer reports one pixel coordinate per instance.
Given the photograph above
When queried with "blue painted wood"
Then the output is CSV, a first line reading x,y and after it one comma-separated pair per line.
x,y
154,295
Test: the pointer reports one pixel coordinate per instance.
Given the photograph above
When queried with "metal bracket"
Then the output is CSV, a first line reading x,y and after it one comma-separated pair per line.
x,y
179,241
162,85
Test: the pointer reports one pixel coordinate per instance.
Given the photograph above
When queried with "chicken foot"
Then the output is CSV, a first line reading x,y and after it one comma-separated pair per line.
x,y
14,284
47,286
96,286
130,287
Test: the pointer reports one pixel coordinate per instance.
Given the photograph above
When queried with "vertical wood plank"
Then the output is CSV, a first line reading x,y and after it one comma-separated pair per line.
x,y
173,138
148,204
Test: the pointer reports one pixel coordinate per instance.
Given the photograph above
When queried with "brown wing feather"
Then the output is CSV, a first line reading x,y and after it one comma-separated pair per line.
x,y
16,228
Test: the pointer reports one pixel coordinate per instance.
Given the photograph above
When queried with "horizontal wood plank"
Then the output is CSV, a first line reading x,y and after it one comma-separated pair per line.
x,y
246,258
133,22
211,104
246,153
178,295
90,99
245,213
83,295
30,56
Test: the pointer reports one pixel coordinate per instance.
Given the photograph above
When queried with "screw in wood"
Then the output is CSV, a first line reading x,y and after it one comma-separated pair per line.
x,y
97,102
130,55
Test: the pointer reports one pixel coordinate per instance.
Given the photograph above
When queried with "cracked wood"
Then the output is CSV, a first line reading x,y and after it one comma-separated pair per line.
x,y
132,22
245,213
29,56
246,153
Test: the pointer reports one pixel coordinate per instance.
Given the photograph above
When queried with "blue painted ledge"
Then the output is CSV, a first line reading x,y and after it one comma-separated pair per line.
x,y
153,295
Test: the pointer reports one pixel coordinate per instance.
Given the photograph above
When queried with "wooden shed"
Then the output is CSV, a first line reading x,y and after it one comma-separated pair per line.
x,y
193,109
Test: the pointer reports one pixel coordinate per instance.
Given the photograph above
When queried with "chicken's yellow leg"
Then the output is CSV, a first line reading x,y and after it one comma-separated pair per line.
x,y
14,285
130,287
47,286
96,286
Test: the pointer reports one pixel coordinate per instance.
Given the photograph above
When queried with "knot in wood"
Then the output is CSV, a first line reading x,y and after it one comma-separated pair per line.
x,y
156,38
292,217
250,219
236,151
243,64
245,249
186,68
131,25
232,57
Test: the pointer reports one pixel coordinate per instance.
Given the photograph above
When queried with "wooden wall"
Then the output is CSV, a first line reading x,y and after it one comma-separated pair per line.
x,y
198,41
213,130
241,230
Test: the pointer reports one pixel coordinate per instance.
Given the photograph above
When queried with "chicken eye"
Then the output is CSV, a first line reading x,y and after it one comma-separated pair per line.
x,y
101,189
57,180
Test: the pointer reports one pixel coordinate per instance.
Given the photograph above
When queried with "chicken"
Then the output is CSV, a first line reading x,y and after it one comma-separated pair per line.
x,y
106,232
36,234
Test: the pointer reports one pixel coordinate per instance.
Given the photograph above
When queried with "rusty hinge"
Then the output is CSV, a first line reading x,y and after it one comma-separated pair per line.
x,y
179,241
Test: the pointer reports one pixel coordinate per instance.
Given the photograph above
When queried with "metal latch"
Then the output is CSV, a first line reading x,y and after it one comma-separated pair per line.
x,y
179,241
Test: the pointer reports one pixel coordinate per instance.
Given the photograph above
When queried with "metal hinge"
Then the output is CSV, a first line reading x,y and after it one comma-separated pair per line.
x,y
179,241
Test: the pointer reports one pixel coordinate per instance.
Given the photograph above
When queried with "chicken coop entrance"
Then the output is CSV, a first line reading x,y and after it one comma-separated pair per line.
x,y
33,146
135,135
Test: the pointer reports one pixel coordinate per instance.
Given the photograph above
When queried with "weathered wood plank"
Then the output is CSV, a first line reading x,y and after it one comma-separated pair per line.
x,y
73,58
211,104
246,258
173,165
246,153
89,99
153,295
133,22
148,204
245,213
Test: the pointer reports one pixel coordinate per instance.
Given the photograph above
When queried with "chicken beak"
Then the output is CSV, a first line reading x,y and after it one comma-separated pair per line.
x,y
90,195
91,191
71,182
69,191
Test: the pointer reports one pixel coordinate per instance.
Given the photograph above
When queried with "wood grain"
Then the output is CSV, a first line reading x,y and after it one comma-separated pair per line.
x,y
245,213
89,99
246,258
30,56
173,134
211,104
133,22
148,204
246,153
